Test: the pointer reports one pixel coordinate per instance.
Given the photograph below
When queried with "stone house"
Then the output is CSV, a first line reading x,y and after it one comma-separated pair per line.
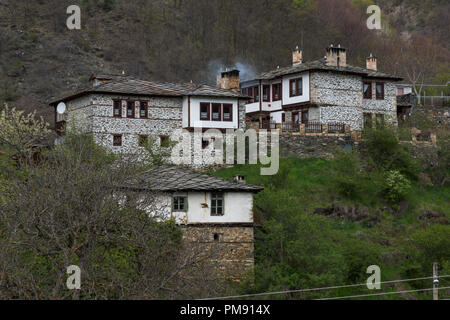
x,y
215,212
121,112
325,91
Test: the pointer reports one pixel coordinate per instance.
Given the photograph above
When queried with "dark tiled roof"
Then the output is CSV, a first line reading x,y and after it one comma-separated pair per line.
x,y
321,65
177,178
130,86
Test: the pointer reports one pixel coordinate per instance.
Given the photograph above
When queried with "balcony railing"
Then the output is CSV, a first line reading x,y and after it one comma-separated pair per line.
x,y
313,127
290,126
336,127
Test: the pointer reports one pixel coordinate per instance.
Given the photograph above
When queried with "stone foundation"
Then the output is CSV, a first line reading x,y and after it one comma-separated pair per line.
x,y
228,248
302,146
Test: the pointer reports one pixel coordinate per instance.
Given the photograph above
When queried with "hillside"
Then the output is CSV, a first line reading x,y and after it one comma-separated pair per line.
x,y
175,40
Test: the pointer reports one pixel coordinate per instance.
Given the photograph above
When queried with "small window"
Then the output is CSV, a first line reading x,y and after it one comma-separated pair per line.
x,y
117,109
379,118
130,109
367,120
400,91
216,114
165,141
204,111
217,204
227,112
380,91
179,203
217,237
266,93
367,90
143,109
296,87
276,92
142,140
117,140
205,143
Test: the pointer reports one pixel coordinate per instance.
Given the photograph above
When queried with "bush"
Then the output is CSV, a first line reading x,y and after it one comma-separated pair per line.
x,y
397,186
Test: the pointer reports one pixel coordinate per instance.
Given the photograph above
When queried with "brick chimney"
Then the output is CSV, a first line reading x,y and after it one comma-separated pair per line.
x,y
336,56
229,80
297,56
371,63
239,178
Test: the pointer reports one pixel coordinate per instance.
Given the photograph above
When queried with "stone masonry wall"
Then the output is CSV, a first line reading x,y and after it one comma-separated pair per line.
x,y
312,146
229,248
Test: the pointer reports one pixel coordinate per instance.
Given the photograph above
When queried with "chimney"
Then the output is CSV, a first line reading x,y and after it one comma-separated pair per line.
x,y
336,56
239,178
229,80
371,63
297,56
97,80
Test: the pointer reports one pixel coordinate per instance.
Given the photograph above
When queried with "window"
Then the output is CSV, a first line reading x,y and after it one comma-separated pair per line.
x,y
165,141
227,112
304,116
380,90
295,87
266,93
117,140
179,203
217,204
204,111
117,108
379,120
256,94
283,117
142,140
367,120
250,94
143,109
367,90
205,143
130,109
400,91
276,92
216,114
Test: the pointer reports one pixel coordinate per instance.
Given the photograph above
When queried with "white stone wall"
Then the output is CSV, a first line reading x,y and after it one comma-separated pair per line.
x,y
387,106
238,207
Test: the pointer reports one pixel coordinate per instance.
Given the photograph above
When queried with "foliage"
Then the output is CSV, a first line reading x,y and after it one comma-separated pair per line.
x,y
397,187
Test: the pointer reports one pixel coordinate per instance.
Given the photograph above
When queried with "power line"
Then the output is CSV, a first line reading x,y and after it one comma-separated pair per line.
x,y
382,293
317,289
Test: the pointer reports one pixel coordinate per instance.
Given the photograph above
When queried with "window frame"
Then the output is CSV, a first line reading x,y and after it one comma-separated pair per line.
x,y
215,198
266,87
381,97
133,102
369,95
298,88
256,94
114,142
231,111
367,115
185,203
215,104
145,103
208,105
250,94
120,108
280,90
144,138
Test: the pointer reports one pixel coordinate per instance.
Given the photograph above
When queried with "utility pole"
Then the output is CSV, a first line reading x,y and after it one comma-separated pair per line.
x,y
435,282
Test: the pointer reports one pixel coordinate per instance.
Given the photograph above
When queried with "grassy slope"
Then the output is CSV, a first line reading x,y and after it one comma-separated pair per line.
x,y
308,184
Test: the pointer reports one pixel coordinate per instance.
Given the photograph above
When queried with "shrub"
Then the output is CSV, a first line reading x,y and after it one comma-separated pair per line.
x,y
397,186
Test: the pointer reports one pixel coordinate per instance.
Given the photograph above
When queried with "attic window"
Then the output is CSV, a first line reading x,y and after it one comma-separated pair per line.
x,y
117,108
217,204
